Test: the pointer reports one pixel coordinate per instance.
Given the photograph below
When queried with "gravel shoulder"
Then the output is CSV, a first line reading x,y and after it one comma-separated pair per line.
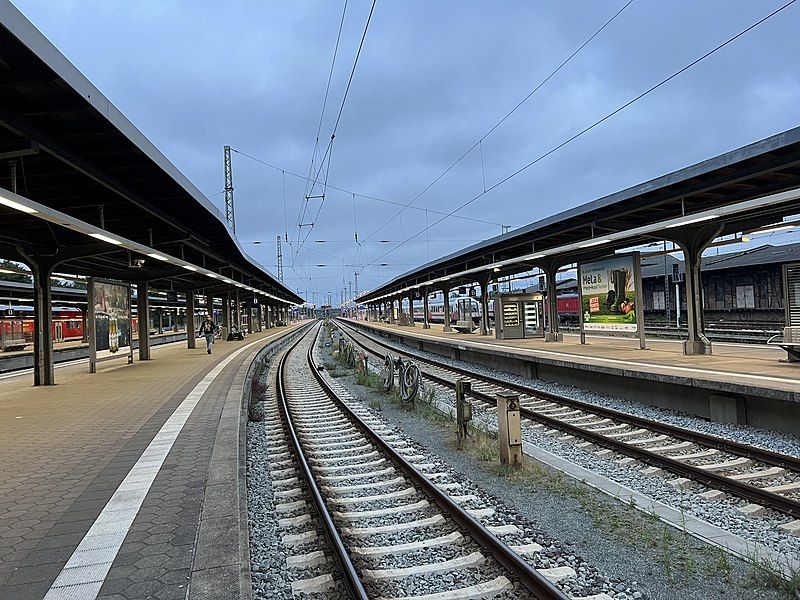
x,y
655,558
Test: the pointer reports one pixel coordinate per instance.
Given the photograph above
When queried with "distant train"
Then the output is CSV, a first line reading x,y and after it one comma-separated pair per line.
x,y
567,309
17,330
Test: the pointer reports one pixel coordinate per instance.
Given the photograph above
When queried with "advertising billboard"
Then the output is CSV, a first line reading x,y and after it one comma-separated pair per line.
x,y
610,291
109,321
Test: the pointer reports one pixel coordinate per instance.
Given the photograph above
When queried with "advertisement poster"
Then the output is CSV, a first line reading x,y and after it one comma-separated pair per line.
x,y
110,320
608,295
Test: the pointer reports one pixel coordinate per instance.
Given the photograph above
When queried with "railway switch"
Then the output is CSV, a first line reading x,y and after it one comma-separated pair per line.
x,y
509,428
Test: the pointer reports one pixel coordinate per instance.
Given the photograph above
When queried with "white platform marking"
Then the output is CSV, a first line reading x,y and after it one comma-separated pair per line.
x,y
86,570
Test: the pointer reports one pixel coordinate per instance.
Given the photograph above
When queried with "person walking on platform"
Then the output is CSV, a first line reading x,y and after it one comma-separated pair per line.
x,y
208,328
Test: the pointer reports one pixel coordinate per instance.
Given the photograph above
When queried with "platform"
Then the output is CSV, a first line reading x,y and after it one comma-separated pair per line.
x,y
738,383
66,449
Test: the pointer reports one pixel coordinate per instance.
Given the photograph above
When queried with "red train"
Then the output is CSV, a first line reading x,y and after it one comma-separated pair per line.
x,y
16,326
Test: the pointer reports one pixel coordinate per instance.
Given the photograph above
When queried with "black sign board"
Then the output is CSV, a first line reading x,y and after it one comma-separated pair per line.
x,y
172,296
417,295
462,290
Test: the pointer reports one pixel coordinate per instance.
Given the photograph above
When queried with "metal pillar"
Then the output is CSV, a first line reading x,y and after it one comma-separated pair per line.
x,y
143,315
43,367
237,314
446,310
552,334
230,216
226,313
484,283
425,317
391,312
210,306
191,341
258,317
693,241
411,321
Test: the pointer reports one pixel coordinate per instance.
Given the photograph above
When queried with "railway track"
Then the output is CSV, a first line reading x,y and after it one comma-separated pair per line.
x,y
389,530
763,478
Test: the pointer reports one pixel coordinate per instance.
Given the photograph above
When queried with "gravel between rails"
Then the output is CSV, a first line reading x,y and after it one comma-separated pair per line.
x,y
724,513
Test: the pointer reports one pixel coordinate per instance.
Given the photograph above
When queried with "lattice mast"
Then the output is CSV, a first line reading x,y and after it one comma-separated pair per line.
x,y
280,260
230,216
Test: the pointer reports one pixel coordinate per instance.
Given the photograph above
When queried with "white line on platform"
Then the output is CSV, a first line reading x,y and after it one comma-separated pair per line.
x,y
86,570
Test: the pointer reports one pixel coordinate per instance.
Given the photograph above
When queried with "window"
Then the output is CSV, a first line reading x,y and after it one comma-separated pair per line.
x,y
745,297
658,300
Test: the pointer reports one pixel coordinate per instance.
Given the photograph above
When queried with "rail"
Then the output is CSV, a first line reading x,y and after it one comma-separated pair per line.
x,y
741,489
528,576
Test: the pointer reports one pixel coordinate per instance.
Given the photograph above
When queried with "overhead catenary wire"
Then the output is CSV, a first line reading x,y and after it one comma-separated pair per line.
x,y
357,194
338,119
502,120
597,122
304,201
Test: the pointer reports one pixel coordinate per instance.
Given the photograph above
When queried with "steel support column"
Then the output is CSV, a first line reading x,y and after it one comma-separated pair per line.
x,y
411,321
210,306
191,341
391,312
552,334
238,311
446,310
484,283
226,313
426,324
693,241
143,316
43,365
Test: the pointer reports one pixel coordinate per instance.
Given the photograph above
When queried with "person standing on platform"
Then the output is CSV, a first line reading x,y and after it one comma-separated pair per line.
x,y
208,328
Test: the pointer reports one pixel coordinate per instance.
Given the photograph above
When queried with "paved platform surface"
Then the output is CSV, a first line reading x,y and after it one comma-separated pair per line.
x,y
736,365
65,449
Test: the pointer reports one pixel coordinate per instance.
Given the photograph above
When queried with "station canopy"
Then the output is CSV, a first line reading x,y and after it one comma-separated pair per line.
x,y
92,193
743,190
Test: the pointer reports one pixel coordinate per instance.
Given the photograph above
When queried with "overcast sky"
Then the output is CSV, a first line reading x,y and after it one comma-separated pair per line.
x,y
433,77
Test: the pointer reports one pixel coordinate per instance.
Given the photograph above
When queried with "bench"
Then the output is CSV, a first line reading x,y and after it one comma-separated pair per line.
x,y
790,342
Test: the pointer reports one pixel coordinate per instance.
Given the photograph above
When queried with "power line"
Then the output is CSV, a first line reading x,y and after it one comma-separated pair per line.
x,y
329,149
596,123
502,120
366,196
303,205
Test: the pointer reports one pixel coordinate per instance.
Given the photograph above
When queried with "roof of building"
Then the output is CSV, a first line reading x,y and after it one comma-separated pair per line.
x,y
79,155
723,184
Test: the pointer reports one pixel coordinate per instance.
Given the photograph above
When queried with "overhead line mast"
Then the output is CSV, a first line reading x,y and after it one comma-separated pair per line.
x,y
230,217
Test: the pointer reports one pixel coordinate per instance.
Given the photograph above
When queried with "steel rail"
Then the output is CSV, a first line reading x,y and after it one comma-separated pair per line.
x,y
527,575
712,441
351,579
739,488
